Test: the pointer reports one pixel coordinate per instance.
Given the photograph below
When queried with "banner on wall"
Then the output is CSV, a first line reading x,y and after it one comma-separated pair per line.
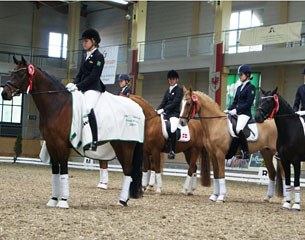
x,y
279,33
111,62
234,82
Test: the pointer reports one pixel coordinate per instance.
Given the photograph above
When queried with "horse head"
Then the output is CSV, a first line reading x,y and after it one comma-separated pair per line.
x,y
21,80
189,106
268,105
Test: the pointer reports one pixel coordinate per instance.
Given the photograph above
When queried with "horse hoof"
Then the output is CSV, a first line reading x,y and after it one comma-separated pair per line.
x,y
158,190
102,186
52,203
220,199
122,203
144,189
296,207
213,198
267,199
62,204
286,205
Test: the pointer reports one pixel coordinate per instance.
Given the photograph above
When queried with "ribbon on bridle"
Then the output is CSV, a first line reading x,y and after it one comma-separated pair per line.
x,y
195,104
276,107
31,71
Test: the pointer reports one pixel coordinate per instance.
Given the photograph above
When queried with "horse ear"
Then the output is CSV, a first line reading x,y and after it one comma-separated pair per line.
x,y
23,60
15,60
262,91
184,89
275,90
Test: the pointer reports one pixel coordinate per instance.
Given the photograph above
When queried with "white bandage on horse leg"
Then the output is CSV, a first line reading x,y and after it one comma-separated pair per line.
x,y
55,185
152,178
104,176
284,191
64,181
297,192
187,184
124,196
288,193
194,181
144,179
222,187
216,187
271,186
159,180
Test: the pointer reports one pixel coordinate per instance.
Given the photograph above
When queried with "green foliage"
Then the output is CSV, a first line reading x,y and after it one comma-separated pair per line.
x,y
18,147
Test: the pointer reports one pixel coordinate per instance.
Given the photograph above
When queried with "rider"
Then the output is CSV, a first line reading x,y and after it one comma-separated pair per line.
x,y
125,91
170,107
124,82
300,96
88,78
241,106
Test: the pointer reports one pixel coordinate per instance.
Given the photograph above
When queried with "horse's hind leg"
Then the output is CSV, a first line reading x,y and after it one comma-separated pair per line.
x,y
267,155
297,189
146,166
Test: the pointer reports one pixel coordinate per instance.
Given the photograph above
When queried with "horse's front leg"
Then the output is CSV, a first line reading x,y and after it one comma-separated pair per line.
x,y
190,183
156,156
297,190
267,156
286,166
55,184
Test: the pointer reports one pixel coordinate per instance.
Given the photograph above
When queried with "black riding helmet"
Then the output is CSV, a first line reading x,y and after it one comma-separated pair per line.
x,y
91,34
172,74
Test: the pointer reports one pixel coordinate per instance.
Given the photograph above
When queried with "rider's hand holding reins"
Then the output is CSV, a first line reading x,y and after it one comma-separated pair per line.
x,y
160,111
231,112
71,87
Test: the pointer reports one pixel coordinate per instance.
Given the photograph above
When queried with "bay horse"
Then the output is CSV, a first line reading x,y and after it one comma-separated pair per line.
x,y
290,142
218,140
54,104
154,143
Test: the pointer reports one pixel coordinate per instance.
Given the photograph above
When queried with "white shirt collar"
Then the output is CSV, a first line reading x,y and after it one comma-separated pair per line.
x,y
172,87
89,53
123,89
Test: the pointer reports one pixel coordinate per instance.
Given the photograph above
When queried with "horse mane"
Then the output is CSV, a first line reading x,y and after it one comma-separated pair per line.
x,y
145,105
286,104
207,99
50,77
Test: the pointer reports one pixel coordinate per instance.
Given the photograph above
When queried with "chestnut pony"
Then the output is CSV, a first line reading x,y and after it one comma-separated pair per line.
x,y
154,143
218,140
54,104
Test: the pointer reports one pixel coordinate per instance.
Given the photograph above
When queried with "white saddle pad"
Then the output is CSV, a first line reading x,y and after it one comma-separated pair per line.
x,y
185,131
118,118
253,133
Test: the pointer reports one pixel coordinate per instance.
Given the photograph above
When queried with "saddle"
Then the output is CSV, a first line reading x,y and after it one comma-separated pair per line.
x,y
250,130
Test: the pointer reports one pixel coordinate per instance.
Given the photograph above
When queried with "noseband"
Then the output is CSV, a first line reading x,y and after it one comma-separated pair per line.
x,y
274,110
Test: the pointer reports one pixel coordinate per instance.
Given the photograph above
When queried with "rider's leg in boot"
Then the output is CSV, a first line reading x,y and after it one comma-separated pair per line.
x,y
172,154
244,145
93,126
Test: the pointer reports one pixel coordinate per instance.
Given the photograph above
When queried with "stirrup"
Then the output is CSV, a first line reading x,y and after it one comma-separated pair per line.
x,y
171,155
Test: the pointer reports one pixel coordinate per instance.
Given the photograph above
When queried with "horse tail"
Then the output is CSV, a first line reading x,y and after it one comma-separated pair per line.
x,y
279,179
205,168
135,189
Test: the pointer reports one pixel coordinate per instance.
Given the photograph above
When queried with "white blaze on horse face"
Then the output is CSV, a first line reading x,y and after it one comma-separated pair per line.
x,y
182,118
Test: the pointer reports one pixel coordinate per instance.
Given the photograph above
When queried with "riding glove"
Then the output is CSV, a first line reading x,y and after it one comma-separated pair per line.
x,y
160,111
233,112
71,87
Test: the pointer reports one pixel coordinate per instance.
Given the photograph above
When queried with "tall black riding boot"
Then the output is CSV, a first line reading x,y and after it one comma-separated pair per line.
x,y
172,154
93,126
244,145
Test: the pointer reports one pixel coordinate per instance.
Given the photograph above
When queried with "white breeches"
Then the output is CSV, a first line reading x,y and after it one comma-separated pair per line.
x,y
91,97
241,122
174,123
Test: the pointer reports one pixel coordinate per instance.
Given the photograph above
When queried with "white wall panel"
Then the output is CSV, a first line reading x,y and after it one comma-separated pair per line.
x,y
207,17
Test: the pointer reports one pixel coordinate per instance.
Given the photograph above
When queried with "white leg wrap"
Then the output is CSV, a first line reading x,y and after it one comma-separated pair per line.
x,y
194,181
55,185
271,186
222,190
124,196
288,193
152,178
215,194
104,176
64,181
187,184
159,182
144,179
284,191
297,196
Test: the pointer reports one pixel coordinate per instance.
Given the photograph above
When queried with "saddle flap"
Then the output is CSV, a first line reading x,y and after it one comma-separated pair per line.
x,y
182,132
250,130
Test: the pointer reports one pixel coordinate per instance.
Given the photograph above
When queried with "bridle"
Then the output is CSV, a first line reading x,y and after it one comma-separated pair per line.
x,y
193,109
274,110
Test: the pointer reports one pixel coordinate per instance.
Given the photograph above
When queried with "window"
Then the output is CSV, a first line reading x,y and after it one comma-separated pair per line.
x,y
58,45
11,111
244,19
